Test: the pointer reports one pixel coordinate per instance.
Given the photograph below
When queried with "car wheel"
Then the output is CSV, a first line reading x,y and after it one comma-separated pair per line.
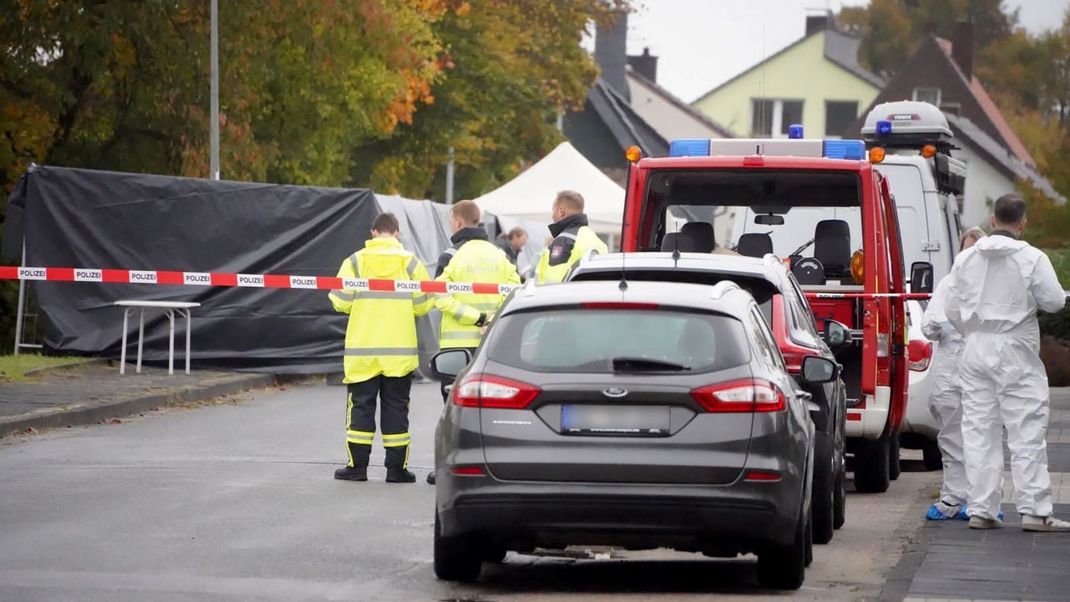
x,y
894,467
871,466
931,456
784,567
839,512
824,495
456,558
494,554
809,541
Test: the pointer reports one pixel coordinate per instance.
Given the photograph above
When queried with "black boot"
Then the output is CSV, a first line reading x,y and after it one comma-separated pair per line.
x,y
431,478
399,475
351,473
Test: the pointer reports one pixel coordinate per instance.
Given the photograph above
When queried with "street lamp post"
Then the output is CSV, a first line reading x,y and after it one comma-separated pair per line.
x,y
214,126
449,179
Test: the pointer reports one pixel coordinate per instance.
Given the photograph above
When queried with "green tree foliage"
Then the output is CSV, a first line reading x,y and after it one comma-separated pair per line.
x,y
892,29
124,86
509,67
325,92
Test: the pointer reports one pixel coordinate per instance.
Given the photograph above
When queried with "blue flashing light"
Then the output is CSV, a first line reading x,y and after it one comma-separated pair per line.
x,y
795,131
690,147
884,128
854,150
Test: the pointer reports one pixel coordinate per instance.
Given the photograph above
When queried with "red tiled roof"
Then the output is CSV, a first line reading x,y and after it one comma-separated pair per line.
x,y
991,110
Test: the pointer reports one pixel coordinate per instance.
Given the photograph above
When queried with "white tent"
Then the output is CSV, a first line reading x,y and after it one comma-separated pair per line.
x,y
529,197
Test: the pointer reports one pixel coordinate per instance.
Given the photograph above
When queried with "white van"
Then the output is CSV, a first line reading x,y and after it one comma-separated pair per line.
x,y
910,143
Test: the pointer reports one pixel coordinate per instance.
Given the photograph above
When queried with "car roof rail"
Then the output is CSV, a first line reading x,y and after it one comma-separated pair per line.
x,y
722,288
528,287
771,259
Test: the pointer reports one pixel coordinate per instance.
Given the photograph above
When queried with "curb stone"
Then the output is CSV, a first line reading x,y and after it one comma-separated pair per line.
x,y
81,414
917,539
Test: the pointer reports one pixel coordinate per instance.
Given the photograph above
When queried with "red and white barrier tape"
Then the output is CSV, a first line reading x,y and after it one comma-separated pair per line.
x,y
907,296
217,279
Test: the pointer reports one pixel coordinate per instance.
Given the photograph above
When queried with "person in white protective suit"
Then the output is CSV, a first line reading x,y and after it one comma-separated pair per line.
x,y
996,289
945,397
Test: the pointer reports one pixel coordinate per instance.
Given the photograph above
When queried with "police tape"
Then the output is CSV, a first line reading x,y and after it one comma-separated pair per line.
x,y
219,279
906,296
224,279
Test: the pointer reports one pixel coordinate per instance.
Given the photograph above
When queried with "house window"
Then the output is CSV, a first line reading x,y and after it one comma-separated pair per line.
x,y
929,95
839,115
770,118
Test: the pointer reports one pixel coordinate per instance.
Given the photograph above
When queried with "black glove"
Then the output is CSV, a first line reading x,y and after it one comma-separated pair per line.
x,y
482,321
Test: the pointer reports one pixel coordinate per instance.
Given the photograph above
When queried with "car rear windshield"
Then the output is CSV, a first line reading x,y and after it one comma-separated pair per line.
x,y
761,289
618,340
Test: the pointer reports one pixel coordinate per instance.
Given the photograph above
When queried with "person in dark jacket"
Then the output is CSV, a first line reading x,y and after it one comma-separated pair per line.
x,y
512,242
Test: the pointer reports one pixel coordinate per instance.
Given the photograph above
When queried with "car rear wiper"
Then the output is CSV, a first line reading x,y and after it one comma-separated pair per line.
x,y
638,364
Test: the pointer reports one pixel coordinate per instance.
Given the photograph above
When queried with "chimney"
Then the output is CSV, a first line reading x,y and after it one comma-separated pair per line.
x,y
611,53
962,47
816,23
645,64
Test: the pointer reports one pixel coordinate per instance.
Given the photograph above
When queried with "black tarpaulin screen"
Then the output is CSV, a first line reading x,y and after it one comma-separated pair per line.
x,y
96,219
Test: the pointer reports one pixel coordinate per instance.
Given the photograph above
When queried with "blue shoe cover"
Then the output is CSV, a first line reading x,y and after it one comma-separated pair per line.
x,y
937,512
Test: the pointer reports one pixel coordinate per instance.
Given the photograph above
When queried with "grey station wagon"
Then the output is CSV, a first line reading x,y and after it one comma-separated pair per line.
x,y
637,415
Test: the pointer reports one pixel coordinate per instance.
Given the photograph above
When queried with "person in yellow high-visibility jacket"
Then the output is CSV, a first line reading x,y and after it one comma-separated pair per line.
x,y
573,239
380,351
472,258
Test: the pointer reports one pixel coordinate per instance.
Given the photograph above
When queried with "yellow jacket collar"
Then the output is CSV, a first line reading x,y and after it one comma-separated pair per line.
x,y
383,243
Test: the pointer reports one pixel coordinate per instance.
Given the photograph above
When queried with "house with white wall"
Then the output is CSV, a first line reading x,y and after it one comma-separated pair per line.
x,y
816,82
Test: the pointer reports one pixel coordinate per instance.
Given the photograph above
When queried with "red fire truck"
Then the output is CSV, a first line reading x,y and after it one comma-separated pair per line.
x,y
821,207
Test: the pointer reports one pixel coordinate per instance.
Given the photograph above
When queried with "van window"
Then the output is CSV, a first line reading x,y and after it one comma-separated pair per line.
x,y
905,182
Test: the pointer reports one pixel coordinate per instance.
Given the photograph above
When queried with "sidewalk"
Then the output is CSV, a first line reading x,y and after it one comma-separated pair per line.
x,y
954,563
90,393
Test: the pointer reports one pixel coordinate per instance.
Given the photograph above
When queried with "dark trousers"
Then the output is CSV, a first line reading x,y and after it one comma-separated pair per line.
x,y
394,414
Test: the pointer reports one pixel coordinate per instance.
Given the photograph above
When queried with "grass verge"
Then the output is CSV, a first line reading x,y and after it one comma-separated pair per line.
x,y
13,368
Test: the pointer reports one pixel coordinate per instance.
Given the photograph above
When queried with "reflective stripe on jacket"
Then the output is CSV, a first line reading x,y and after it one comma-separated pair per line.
x,y
475,261
381,334
573,240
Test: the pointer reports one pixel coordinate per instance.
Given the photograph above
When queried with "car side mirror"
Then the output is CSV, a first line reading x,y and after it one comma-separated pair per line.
x,y
447,364
921,277
818,370
836,334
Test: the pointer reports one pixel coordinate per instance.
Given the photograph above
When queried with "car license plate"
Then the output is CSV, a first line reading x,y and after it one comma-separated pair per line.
x,y
637,421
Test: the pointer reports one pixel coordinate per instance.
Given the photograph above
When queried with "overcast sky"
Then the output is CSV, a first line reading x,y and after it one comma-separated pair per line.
x,y
702,43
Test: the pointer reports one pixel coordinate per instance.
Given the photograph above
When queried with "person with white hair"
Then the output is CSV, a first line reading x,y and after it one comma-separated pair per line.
x,y
945,396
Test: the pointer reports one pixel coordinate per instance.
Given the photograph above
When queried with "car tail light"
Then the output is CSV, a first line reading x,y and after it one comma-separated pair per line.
x,y
920,353
766,476
484,391
751,395
468,471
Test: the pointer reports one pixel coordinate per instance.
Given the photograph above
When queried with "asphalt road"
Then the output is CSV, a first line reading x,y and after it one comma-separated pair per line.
x,y
236,501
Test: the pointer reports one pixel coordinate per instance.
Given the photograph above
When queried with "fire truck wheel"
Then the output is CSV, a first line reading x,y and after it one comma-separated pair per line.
x,y
932,457
893,456
871,465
